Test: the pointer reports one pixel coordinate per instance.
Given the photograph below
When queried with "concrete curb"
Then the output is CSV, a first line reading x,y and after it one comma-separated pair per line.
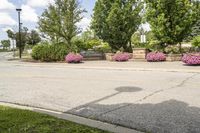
x,y
113,68
133,69
77,119
74,66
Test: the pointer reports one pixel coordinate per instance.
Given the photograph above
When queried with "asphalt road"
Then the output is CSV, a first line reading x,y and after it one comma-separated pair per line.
x,y
149,101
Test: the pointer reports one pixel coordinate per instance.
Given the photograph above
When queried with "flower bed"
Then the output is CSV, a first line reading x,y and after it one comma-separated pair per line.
x,y
73,58
156,57
191,59
121,57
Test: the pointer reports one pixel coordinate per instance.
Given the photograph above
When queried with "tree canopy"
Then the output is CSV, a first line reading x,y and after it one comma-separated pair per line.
x,y
59,21
171,20
114,21
33,38
15,36
5,44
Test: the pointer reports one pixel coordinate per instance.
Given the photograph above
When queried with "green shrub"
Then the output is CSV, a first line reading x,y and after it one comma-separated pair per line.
x,y
155,45
172,50
93,43
103,48
135,39
196,42
79,45
140,45
176,50
49,52
4,50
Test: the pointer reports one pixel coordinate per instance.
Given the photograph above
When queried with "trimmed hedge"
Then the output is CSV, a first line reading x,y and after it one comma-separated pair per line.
x,y
48,53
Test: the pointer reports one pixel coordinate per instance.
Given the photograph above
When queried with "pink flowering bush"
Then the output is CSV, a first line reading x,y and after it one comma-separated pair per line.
x,y
156,57
73,58
191,59
120,57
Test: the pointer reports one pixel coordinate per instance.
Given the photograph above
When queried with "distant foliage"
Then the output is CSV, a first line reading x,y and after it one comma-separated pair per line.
x,y
5,44
191,59
73,58
33,38
121,57
48,53
103,48
15,36
156,57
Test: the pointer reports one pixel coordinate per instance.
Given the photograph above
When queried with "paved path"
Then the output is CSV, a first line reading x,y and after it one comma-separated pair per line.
x,y
151,101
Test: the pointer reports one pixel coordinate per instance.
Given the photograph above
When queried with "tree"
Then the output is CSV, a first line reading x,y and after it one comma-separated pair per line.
x,y
88,35
115,21
15,36
33,37
196,27
24,37
11,35
5,44
171,20
59,21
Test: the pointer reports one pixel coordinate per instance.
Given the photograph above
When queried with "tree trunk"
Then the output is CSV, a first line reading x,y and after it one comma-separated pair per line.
x,y
180,48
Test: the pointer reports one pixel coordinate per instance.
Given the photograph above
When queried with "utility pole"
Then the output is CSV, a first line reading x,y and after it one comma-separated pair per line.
x,y
20,39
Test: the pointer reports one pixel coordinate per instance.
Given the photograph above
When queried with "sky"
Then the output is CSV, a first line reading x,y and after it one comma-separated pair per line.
x,y
31,10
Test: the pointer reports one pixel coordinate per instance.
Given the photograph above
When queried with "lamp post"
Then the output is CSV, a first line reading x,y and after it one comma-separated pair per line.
x,y
20,39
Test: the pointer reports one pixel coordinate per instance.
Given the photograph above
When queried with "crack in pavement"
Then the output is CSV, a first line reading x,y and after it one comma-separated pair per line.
x,y
152,94
162,90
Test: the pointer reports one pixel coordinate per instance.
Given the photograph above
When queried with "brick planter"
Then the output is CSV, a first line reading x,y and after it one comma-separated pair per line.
x,y
109,56
174,57
139,54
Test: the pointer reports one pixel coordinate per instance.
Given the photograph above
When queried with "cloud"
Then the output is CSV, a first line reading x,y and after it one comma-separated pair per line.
x,y
39,3
6,19
6,29
29,14
84,23
5,4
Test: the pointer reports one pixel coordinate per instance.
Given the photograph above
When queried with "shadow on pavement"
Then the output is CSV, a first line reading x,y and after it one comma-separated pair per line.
x,y
167,117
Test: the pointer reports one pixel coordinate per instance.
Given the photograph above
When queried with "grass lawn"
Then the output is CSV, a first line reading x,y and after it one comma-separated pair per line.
x,y
23,121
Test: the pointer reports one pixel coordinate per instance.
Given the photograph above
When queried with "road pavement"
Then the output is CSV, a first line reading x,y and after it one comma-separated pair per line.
x,y
150,101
